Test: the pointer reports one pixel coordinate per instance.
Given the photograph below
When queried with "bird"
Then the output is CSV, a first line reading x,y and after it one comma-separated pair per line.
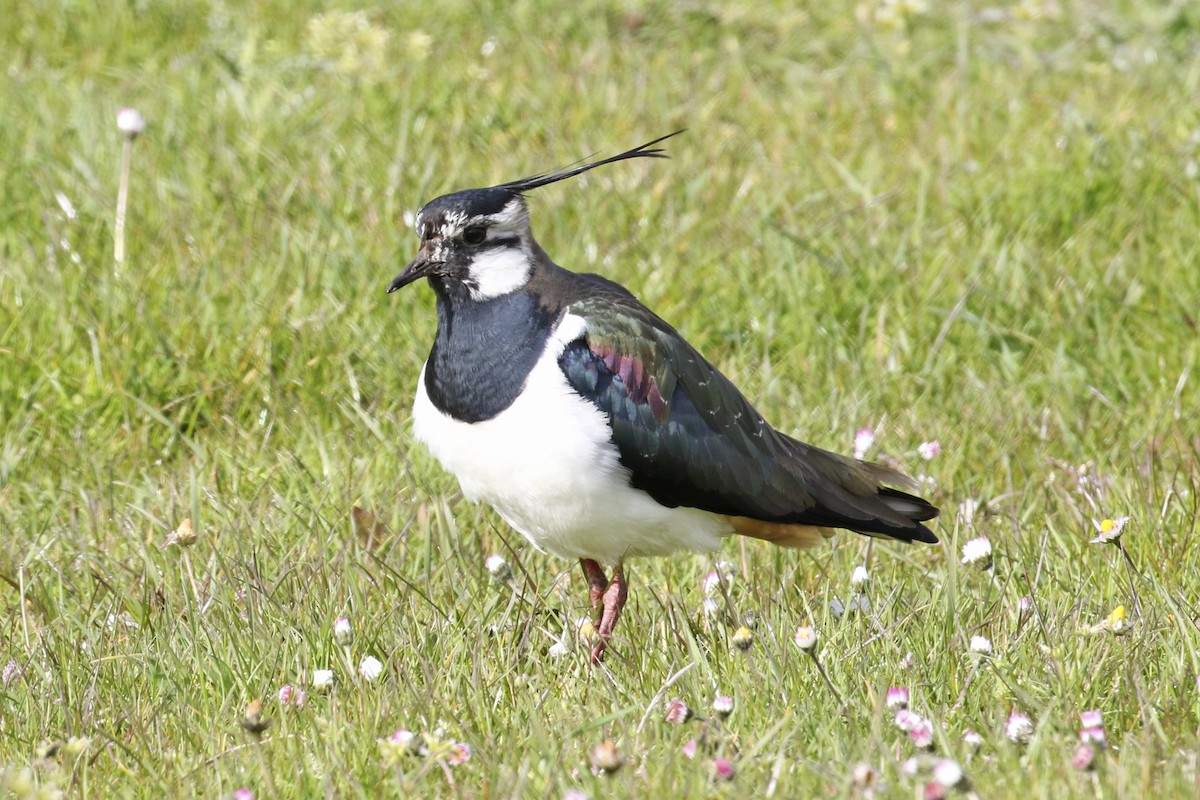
x,y
593,427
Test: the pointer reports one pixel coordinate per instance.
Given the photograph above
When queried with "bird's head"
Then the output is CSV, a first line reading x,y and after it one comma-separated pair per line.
x,y
481,238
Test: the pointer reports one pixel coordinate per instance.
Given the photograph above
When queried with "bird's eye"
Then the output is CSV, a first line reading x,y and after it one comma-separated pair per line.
x,y
474,234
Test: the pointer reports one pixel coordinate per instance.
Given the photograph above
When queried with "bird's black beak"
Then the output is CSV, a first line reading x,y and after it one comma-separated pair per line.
x,y
419,267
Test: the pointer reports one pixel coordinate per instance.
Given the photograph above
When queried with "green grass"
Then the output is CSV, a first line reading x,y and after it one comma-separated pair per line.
x,y
978,227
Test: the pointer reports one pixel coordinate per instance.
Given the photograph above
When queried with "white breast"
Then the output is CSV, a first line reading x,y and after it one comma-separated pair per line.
x,y
547,464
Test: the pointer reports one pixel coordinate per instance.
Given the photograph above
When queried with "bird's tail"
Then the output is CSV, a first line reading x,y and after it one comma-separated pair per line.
x,y
912,510
849,493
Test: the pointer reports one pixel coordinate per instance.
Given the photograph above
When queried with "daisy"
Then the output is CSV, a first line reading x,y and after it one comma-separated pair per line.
x,y
1109,530
1018,728
678,711
929,450
897,697
981,645
977,552
343,634
370,668
863,439
806,638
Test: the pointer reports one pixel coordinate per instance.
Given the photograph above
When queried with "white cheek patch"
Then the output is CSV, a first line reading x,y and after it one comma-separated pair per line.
x,y
500,271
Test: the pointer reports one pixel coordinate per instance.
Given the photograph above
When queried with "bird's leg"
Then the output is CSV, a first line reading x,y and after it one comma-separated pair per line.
x,y
614,601
597,583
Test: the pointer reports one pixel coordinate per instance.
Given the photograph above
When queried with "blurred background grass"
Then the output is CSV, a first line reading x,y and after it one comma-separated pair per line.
x,y
969,223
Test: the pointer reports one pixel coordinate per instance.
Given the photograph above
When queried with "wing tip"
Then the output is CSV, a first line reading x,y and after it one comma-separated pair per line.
x,y
915,510
922,534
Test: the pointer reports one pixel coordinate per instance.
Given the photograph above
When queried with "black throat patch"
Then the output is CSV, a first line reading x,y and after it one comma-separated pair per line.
x,y
484,351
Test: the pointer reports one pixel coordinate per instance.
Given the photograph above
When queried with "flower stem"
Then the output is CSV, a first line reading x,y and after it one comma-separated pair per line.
x,y
1129,570
828,682
122,201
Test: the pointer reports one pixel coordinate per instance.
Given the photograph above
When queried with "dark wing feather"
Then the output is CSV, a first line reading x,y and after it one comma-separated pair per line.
x,y
690,438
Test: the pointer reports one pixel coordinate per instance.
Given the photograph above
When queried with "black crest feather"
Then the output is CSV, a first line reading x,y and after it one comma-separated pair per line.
x,y
647,150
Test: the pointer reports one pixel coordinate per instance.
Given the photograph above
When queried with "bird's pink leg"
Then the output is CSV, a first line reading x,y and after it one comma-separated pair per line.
x,y
597,583
614,600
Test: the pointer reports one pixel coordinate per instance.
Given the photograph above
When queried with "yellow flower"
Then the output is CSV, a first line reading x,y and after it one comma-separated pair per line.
x,y
743,638
1116,623
585,629
185,535
77,745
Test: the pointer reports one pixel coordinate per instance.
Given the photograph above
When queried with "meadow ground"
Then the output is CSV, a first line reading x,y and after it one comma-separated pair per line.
x,y
965,223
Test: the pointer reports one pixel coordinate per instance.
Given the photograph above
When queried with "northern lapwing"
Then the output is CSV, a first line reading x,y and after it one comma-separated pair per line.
x,y
593,427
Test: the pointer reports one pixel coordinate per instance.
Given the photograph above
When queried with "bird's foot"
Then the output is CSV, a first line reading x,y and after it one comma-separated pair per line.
x,y
613,600
597,583
597,588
